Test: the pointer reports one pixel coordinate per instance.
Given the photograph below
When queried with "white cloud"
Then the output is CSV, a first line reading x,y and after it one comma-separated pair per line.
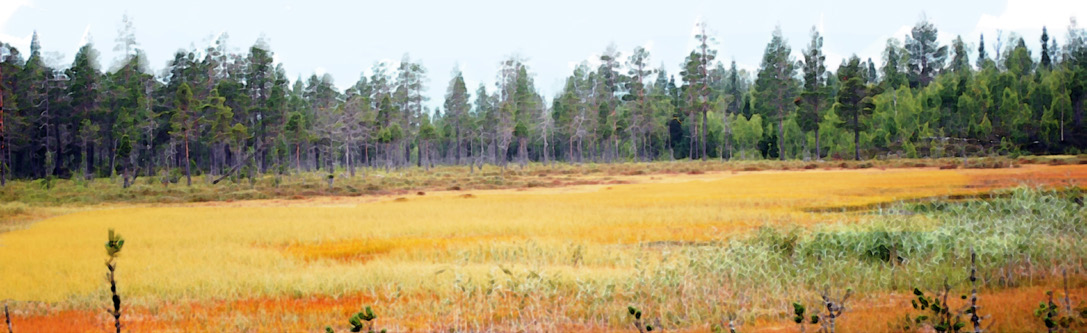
x,y
833,59
1027,17
21,43
7,10
1032,15
592,60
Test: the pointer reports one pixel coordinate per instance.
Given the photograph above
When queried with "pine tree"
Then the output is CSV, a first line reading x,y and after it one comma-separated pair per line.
x,y
776,85
814,94
706,56
260,85
1046,61
456,108
960,61
982,58
84,94
873,74
853,100
893,67
640,115
184,123
927,56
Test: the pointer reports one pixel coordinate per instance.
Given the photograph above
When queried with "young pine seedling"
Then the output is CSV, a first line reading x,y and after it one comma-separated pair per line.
x,y
362,320
798,317
7,317
936,312
728,325
113,248
1056,320
834,308
972,308
639,323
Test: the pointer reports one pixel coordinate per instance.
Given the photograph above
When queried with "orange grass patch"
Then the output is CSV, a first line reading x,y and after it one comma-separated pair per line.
x,y
1006,310
1036,175
59,321
363,250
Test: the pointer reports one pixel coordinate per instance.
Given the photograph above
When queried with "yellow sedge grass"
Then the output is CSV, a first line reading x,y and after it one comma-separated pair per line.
x,y
337,247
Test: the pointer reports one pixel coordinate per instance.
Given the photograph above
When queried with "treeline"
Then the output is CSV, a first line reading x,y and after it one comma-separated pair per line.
x,y
219,113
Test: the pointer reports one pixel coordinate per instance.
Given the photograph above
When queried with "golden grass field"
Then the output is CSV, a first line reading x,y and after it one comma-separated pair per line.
x,y
475,260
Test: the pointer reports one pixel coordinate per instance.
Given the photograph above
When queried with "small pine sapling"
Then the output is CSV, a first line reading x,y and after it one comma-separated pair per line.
x,y
972,309
364,318
639,323
7,318
1051,315
800,319
728,325
939,315
113,248
834,309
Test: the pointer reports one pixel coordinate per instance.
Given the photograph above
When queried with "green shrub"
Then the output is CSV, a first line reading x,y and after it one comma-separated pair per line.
x,y
13,208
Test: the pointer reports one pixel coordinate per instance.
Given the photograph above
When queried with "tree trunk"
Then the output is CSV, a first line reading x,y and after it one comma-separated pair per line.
x,y
460,143
112,156
702,141
693,137
233,169
522,151
188,175
423,147
856,137
545,151
124,175
388,156
818,152
570,151
781,133
805,154
86,162
350,163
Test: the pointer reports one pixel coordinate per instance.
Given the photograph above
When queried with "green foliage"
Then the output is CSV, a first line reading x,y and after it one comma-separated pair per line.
x,y
798,313
125,148
114,243
939,316
113,246
362,320
926,56
746,133
9,209
520,130
776,85
854,103
1057,318
778,242
614,110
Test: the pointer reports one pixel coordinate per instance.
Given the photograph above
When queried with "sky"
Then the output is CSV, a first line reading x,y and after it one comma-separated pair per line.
x,y
346,38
